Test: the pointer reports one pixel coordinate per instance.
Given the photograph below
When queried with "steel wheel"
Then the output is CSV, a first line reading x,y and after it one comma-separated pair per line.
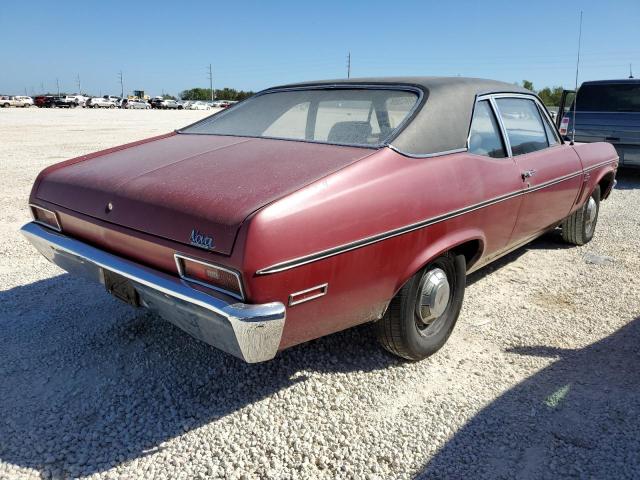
x,y
579,227
422,315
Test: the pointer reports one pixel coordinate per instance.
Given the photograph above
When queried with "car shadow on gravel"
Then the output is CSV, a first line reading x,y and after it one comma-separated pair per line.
x,y
578,418
90,383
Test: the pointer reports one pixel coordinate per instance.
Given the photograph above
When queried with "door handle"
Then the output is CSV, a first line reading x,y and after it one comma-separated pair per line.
x,y
528,174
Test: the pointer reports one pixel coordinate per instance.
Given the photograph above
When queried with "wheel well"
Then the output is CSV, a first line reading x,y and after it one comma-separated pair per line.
x,y
471,251
606,184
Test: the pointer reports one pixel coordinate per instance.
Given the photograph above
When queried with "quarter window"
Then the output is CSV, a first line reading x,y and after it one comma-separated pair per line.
x,y
523,124
484,135
552,137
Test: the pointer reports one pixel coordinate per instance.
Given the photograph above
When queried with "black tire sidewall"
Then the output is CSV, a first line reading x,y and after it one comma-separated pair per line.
x,y
419,345
587,236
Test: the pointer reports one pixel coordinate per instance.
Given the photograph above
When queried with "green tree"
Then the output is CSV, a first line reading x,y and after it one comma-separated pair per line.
x,y
551,96
166,96
225,93
528,85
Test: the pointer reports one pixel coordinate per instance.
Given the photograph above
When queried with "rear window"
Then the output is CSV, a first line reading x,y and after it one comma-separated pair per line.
x,y
363,116
609,98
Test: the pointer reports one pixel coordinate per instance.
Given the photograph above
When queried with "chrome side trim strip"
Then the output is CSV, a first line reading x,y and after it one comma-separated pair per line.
x,y
323,291
426,155
179,256
601,164
330,252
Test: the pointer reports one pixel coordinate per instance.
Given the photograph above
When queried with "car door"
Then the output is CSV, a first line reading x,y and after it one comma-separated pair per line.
x,y
491,173
551,171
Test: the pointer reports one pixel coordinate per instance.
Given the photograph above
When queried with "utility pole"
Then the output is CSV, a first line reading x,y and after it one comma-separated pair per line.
x,y
121,84
42,87
79,84
58,86
349,65
211,82
630,72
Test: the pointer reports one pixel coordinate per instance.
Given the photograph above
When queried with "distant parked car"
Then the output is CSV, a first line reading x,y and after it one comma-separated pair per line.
x,y
170,105
68,101
7,101
101,102
27,101
199,106
136,105
43,101
156,102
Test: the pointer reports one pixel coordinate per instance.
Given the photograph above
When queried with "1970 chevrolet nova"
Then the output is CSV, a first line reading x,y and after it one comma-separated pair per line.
x,y
311,208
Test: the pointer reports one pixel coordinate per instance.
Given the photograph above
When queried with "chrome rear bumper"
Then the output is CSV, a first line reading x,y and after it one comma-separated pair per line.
x,y
250,332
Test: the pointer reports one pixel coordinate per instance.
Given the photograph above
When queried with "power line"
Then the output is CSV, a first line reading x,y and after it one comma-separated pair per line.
x,y
121,84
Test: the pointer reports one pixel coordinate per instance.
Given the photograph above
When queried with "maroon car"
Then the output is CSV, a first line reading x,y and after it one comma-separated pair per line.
x,y
311,208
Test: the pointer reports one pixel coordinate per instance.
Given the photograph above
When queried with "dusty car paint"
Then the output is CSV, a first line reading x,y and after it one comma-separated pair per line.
x,y
360,221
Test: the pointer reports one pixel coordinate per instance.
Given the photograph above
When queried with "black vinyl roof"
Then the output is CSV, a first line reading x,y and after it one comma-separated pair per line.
x,y
441,122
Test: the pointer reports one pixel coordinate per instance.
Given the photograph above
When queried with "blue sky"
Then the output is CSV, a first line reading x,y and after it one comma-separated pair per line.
x,y
252,45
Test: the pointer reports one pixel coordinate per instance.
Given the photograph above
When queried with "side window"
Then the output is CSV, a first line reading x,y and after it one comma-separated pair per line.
x,y
552,137
524,126
484,135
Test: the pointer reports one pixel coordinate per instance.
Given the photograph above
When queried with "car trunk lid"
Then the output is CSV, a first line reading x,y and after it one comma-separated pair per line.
x,y
193,189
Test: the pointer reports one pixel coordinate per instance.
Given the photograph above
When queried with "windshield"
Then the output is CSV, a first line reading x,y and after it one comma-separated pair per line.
x,y
350,116
609,98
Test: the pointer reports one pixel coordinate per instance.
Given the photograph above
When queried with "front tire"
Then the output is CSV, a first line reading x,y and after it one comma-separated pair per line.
x,y
422,315
579,227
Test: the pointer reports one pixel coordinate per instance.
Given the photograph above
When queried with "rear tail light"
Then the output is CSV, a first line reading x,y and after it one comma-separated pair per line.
x,y
564,125
211,276
45,217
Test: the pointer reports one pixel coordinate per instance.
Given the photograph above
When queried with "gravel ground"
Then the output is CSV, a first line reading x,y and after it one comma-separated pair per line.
x,y
539,379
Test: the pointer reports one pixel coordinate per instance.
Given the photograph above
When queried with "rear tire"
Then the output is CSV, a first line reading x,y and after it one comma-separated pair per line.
x,y
579,227
407,330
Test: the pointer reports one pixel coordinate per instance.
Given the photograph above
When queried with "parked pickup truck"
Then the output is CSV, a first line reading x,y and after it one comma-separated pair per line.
x,y
607,111
311,208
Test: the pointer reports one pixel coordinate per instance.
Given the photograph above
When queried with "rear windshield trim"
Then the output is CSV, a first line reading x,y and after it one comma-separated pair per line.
x,y
420,92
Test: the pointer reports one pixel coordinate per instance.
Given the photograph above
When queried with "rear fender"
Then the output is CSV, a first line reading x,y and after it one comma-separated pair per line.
x,y
440,246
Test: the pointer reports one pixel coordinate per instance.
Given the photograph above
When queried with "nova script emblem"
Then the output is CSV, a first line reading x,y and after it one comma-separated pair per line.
x,y
201,240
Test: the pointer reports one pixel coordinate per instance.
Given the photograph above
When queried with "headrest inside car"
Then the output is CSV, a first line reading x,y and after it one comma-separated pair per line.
x,y
350,132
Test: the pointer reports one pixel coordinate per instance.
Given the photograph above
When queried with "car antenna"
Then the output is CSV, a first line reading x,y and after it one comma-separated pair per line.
x,y
575,100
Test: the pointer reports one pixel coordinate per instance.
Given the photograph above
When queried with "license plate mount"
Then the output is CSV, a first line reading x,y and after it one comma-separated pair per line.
x,y
121,288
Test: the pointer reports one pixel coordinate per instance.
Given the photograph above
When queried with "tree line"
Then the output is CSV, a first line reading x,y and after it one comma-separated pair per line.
x,y
550,96
219,94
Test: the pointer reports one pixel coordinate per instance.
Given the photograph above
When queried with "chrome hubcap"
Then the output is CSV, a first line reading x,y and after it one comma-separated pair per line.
x,y
590,214
434,295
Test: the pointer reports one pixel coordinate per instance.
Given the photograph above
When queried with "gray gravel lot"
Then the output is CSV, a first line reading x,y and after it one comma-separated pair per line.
x,y
539,379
